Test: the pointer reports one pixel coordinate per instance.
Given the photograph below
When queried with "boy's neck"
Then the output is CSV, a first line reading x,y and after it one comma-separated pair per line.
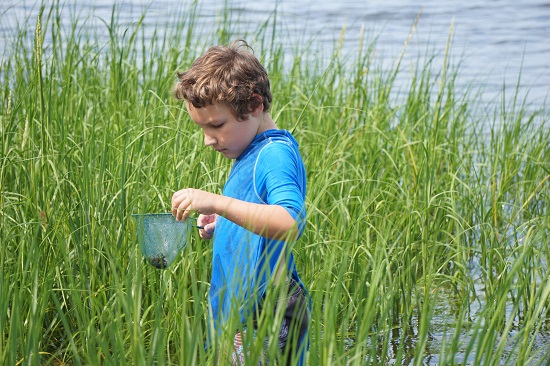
x,y
266,123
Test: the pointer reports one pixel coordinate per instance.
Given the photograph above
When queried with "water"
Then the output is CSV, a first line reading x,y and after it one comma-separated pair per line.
x,y
497,43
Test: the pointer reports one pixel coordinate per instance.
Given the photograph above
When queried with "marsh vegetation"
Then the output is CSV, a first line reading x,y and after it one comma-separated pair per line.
x,y
428,223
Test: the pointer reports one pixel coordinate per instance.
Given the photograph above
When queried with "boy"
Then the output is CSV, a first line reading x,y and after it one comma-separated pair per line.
x,y
261,212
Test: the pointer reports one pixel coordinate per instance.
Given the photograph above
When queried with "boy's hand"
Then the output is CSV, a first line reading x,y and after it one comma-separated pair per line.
x,y
209,224
190,200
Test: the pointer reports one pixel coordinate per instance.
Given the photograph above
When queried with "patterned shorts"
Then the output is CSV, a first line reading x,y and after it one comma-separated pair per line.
x,y
295,320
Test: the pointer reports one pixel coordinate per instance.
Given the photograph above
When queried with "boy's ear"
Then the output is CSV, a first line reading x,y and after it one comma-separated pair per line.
x,y
260,107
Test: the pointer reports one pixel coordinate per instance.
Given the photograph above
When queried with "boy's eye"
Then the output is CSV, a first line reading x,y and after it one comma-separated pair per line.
x,y
217,126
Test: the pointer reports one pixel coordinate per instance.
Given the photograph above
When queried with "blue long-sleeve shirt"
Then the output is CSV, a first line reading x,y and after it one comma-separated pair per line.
x,y
269,171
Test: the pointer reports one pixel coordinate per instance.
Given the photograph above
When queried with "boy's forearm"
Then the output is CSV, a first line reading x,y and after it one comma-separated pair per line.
x,y
271,221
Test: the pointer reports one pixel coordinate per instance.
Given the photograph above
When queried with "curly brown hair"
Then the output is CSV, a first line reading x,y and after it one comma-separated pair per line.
x,y
226,74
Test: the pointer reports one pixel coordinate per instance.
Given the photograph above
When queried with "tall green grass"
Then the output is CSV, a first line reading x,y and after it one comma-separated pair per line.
x,y
427,212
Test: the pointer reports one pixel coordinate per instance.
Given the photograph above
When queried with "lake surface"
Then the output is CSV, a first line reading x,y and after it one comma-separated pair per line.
x,y
497,42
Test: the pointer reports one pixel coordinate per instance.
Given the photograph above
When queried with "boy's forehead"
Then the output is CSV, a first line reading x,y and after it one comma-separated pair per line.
x,y
208,114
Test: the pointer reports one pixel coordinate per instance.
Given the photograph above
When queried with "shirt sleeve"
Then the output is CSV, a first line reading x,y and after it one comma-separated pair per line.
x,y
280,179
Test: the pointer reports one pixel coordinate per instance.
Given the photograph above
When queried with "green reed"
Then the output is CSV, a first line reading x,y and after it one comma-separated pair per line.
x,y
427,211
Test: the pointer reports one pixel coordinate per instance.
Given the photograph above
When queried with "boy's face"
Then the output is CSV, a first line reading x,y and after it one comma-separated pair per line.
x,y
223,131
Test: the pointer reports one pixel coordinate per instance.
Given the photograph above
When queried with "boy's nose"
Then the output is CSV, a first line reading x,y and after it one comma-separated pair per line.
x,y
209,140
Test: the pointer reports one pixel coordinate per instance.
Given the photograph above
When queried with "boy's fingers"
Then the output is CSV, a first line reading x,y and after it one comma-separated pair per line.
x,y
180,206
204,220
209,228
180,213
207,231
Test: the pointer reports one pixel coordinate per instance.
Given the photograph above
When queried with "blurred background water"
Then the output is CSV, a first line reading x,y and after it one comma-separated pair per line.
x,y
498,43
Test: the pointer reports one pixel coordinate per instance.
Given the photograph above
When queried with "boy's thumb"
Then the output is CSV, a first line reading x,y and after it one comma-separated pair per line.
x,y
209,228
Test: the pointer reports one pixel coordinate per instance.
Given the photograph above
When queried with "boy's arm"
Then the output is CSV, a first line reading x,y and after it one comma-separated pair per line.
x,y
271,221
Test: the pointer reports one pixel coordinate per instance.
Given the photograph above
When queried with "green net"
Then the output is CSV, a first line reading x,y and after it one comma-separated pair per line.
x,y
161,237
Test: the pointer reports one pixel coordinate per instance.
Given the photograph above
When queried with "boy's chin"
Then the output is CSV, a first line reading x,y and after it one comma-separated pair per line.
x,y
228,154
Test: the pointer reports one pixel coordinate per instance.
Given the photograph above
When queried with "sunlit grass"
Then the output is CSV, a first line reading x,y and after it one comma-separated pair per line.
x,y
427,213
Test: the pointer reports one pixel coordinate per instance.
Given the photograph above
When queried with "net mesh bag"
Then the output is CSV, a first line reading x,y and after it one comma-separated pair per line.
x,y
161,237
